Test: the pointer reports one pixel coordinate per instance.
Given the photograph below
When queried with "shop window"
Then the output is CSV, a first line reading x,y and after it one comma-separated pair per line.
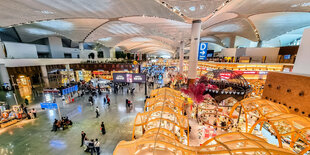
x,y
284,104
301,93
279,102
278,87
274,100
269,85
303,112
296,109
266,98
288,90
290,107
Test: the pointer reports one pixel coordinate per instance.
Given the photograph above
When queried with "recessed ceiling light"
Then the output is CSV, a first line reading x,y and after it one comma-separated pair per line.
x,y
46,12
106,39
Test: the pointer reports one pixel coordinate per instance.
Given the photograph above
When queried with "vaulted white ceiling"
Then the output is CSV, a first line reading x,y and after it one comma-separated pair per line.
x,y
150,26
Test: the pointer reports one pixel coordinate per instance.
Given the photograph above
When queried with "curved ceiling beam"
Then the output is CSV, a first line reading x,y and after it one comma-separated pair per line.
x,y
95,29
217,40
170,8
253,28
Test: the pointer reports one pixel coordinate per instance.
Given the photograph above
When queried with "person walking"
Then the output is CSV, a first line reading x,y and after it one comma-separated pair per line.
x,y
102,128
104,100
83,135
26,102
34,112
97,112
91,100
108,100
127,101
97,146
91,147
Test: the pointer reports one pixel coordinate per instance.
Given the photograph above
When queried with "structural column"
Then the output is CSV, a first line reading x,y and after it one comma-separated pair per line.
x,y
56,49
81,46
302,62
45,76
4,76
193,55
112,53
181,57
2,55
259,43
232,42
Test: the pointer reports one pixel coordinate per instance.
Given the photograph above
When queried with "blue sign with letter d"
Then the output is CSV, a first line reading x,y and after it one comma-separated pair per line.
x,y
202,53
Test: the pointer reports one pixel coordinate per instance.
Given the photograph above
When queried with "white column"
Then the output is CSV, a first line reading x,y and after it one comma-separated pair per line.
x,y
135,56
181,57
56,48
45,75
2,55
4,76
193,55
81,46
302,62
67,67
112,52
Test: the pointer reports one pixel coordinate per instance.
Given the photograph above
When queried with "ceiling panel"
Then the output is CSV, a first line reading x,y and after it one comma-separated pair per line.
x,y
23,11
74,29
195,9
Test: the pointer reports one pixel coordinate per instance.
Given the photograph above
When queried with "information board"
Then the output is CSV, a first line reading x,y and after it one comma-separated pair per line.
x,y
70,90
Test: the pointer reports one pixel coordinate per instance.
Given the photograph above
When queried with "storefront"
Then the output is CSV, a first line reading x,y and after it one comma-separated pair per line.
x,y
83,75
67,76
103,74
10,115
24,85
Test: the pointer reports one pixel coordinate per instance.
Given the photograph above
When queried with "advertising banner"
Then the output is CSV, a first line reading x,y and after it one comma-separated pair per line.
x,y
119,77
129,77
138,78
202,53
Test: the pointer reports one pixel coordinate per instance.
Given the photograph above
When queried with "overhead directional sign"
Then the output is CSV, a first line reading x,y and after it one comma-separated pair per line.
x,y
48,105
202,53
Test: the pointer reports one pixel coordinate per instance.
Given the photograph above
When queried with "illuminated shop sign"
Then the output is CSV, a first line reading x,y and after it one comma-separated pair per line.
x,y
252,72
129,77
263,73
225,76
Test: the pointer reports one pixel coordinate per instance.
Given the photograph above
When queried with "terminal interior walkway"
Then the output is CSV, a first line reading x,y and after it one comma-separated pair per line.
x,y
34,137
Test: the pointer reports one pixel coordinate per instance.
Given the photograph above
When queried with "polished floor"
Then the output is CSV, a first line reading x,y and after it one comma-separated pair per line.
x,y
34,137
